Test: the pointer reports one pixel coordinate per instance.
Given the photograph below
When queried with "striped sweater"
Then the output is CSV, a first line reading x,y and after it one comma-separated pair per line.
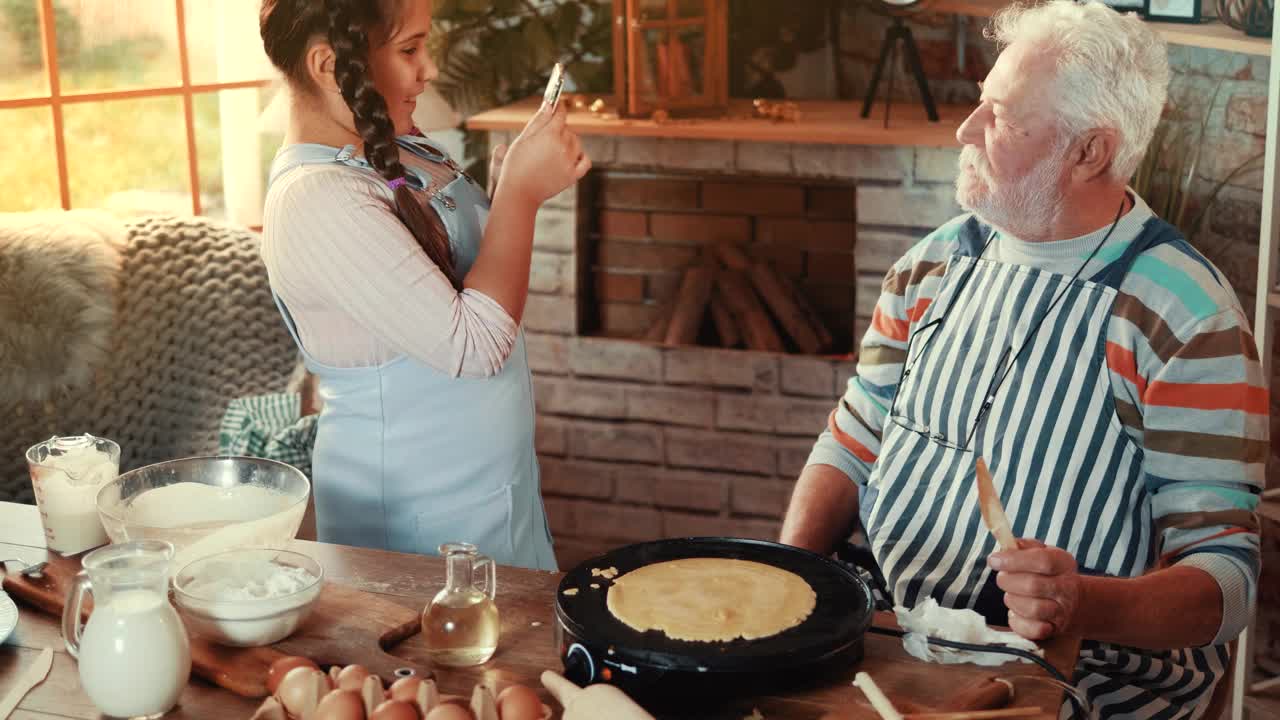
x,y
1184,370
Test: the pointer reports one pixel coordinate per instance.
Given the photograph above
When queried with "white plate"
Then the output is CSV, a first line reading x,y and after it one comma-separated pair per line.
x,y
8,616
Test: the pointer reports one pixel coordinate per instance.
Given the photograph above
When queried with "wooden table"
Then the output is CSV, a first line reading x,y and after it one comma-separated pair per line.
x,y
525,598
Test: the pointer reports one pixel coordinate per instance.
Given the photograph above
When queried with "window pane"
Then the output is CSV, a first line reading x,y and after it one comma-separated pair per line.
x,y
688,58
223,42
650,69
691,8
21,50
235,149
31,184
653,9
128,155
670,64
113,44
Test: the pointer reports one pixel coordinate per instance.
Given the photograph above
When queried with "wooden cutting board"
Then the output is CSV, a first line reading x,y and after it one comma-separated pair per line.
x,y
346,626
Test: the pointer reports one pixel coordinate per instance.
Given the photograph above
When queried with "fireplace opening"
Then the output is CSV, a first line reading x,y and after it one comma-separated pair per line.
x,y
724,261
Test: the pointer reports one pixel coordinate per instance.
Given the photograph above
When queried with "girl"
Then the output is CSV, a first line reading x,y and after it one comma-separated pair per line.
x,y
404,288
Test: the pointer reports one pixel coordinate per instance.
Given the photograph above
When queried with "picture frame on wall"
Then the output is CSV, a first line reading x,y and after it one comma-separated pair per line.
x,y
1181,11
1126,5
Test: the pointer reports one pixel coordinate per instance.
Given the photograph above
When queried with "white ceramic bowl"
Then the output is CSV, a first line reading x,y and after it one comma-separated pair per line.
x,y
225,598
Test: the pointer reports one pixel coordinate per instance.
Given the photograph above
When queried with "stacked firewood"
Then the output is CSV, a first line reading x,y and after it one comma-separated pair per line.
x,y
751,305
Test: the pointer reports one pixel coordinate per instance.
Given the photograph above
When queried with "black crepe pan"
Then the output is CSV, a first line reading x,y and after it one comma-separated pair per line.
x,y
596,647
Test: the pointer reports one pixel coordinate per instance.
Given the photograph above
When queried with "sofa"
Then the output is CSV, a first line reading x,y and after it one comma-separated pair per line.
x,y
140,330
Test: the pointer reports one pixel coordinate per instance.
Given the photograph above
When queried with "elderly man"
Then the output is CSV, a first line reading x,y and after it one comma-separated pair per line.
x,y
1100,366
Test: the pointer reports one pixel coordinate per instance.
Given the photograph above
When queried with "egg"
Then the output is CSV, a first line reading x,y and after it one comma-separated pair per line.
x,y
519,703
395,710
405,689
300,689
340,705
281,667
352,677
449,711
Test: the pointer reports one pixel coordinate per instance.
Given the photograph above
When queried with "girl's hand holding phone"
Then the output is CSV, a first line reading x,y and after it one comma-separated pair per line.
x,y
544,159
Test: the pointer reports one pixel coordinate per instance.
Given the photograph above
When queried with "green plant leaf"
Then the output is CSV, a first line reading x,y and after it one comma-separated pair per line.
x,y
1198,146
567,22
1217,188
540,42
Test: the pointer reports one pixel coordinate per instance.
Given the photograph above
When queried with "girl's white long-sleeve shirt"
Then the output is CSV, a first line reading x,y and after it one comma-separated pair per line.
x,y
360,289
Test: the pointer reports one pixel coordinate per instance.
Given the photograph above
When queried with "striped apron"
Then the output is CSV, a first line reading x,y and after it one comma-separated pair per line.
x,y
1060,458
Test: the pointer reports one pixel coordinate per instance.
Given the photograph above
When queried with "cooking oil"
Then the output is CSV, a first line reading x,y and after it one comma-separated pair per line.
x,y
461,624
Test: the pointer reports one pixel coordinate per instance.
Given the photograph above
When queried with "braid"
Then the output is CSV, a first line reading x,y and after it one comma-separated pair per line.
x,y
348,35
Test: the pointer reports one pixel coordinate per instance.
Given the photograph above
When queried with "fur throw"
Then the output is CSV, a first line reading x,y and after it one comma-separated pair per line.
x,y
58,275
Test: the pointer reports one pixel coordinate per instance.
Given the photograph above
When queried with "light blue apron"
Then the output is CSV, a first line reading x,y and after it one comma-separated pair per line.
x,y
1061,461
407,457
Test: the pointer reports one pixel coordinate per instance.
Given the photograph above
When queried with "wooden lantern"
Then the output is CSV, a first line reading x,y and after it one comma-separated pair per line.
x,y
671,55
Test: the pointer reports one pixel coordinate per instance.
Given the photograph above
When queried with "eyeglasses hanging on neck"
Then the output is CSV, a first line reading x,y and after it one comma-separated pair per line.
x,y
1005,365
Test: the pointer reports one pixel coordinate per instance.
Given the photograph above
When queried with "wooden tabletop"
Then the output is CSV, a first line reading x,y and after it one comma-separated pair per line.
x,y
525,599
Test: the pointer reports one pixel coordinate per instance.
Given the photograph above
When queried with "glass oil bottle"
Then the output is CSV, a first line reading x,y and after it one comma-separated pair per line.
x,y
461,624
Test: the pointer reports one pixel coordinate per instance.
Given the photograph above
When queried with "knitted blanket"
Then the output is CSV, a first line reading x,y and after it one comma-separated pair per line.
x,y
195,327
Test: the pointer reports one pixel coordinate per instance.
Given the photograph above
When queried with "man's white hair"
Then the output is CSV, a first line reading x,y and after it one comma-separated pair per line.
x,y
1112,70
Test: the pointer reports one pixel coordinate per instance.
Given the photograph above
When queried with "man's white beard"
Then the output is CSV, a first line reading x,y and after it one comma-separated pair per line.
x,y
1026,209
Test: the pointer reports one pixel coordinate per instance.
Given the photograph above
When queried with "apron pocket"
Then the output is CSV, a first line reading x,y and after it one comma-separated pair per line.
x,y
483,520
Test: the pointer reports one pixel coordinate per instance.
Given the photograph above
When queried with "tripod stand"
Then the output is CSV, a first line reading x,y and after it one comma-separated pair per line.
x,y
888,52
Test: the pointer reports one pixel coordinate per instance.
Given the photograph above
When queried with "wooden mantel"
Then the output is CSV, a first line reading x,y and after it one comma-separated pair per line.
x,y
820,122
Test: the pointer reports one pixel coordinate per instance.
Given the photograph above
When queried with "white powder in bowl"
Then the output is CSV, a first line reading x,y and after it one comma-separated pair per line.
x,y
247,602
247,580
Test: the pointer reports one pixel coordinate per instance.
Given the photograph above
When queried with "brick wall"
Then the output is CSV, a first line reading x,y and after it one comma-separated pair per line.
x,y
639,441
649,227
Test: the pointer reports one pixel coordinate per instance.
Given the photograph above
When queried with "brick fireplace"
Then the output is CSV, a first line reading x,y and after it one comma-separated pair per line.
x,y
639,440
645,229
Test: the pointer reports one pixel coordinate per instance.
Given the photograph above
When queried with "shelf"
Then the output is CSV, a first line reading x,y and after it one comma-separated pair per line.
x,y
1211,34
821,122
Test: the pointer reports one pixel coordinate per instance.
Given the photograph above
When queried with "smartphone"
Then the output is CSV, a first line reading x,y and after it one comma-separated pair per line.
x,y
551,97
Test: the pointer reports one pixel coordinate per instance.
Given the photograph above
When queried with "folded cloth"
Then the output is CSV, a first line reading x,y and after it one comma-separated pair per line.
x,y
269,426
929,619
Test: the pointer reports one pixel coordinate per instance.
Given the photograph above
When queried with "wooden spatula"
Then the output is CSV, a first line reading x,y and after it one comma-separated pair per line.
x,y
992,511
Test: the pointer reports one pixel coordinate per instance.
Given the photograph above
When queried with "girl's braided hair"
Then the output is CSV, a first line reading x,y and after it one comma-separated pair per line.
x,y
287,28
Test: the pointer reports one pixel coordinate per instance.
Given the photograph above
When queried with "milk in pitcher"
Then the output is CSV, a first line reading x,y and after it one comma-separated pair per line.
x,y
134,656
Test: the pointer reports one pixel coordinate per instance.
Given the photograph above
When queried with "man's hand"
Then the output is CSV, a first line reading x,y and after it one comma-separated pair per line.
x,y
1041,588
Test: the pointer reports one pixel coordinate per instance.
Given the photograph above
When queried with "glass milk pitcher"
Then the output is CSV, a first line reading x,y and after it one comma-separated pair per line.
x,y
461,624
135,658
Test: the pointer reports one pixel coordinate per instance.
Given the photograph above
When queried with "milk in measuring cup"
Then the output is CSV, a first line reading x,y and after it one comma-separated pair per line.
x,y
66,473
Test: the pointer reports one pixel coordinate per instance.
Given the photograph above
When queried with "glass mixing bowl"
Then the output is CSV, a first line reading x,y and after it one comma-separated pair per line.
x,y
205,505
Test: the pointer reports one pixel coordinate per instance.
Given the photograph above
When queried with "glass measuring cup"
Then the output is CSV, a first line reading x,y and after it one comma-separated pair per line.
x,y
134,655
461,624
66,474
